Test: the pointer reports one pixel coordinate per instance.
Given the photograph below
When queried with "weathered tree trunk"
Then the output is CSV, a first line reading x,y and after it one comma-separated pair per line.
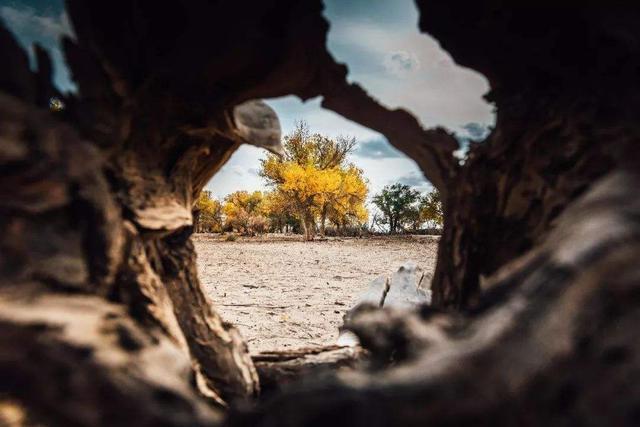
x,y
304,229
508,195
323,221
102,317
554,343
279,369
308,225
558,129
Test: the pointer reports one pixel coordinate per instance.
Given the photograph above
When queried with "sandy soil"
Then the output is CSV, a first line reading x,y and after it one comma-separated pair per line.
x,y
286,293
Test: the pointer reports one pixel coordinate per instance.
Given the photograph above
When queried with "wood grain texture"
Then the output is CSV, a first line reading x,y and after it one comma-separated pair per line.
x,y
102,317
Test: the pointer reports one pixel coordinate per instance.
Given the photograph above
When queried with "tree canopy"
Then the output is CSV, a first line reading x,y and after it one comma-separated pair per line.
x,y
209,213
244,212
317,181
431,208
398,204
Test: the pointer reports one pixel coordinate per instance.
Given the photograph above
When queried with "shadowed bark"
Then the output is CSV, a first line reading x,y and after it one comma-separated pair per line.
x,y
553,344
566,93
279,369
103,319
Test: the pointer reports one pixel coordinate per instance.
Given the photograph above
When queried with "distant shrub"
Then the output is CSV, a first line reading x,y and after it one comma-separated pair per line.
x,y
330,232
231,238
431,231
348,231
258,225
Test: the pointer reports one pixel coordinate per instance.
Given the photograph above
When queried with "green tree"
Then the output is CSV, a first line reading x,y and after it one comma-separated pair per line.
x,y
398,204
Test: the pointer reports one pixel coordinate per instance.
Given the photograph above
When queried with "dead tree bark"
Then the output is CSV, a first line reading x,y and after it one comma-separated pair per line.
x,y
87,332
279,369
554,342
562,119
102,316
555,130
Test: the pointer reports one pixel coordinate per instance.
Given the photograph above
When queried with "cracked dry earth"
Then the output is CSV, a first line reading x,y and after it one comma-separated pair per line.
x,y
285,293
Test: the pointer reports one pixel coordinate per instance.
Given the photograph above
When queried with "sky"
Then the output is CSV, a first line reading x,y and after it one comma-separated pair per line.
x,y
380,43
386,54
43,22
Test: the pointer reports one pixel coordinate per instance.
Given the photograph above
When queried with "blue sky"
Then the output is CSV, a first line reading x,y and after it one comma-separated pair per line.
x,y
385,53
380,42
42,22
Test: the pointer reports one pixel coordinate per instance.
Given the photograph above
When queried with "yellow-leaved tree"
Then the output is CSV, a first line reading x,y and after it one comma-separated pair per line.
x,y
346,206
207,214
314,182
244,212
279,211
431,209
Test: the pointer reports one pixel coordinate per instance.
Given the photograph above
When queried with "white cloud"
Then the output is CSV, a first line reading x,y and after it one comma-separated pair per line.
x,y
239,173
404,68
401,63
291,109
377,148
381,172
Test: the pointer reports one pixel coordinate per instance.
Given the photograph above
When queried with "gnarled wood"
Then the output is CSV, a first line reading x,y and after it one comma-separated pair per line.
x,y
277,369
97,276
77,360
554,340
564,119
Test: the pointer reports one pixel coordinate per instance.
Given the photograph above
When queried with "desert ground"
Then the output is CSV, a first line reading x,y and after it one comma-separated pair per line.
x,y
285,293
